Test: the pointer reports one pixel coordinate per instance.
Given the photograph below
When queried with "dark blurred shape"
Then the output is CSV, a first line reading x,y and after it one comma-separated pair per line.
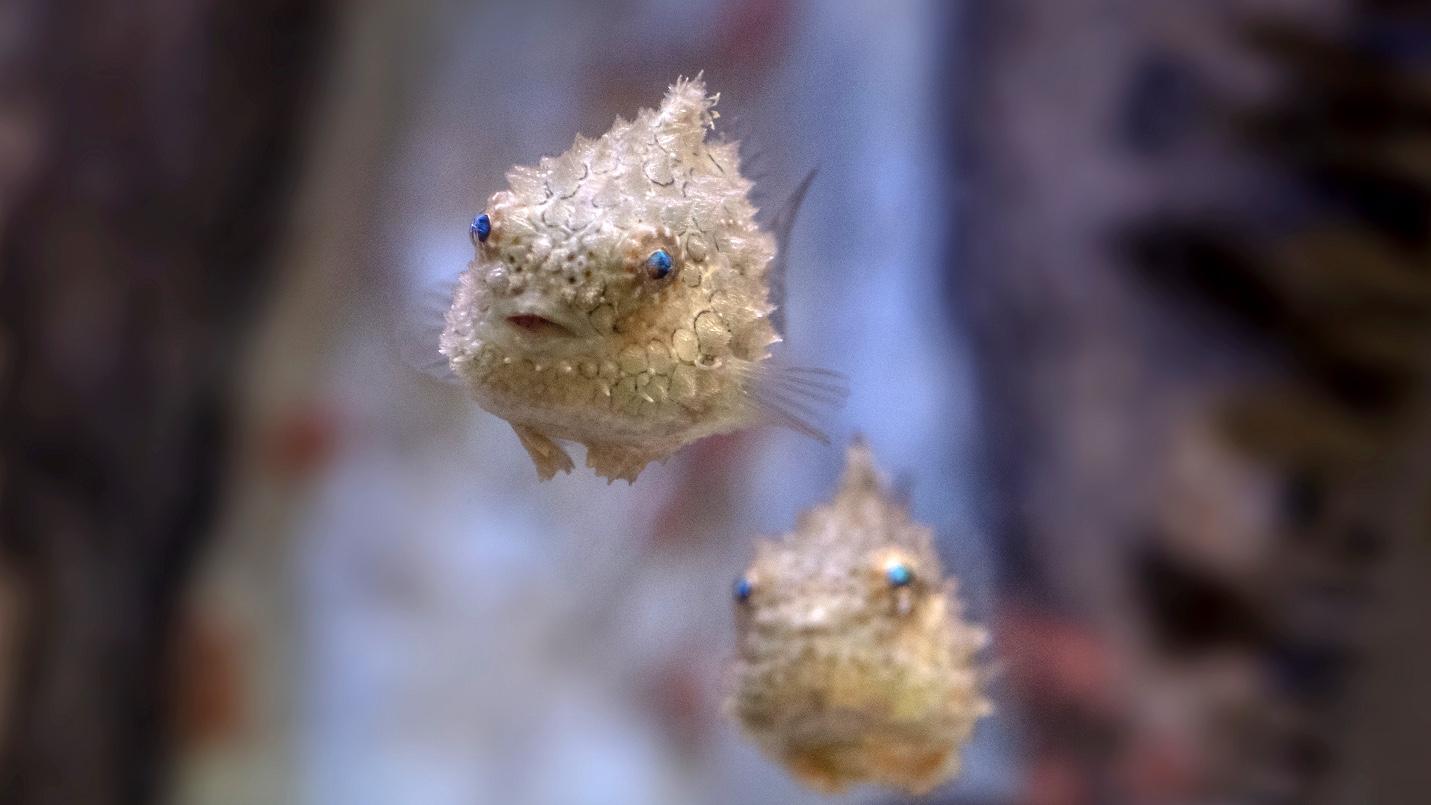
x,y
135,245
1257,298
1192,610
1195,262
1164,102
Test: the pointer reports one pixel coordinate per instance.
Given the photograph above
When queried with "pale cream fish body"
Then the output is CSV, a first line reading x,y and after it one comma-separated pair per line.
x,y
854,664
619,297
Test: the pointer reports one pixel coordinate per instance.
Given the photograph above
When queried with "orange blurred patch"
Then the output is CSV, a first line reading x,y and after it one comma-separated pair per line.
x,y
208,698
302,440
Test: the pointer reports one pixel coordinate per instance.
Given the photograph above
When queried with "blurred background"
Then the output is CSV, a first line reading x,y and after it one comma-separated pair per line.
x,y
1133,296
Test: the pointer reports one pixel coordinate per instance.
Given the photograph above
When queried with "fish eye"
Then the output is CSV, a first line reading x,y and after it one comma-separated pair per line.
x,y
743,589
658,265
480,229
899,574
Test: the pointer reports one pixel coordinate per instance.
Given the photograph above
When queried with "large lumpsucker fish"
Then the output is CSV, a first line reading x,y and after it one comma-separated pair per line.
x,y
620,297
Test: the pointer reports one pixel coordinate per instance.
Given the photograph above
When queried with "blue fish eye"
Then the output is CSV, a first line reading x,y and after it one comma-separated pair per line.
x,y
481,227
899,574
743,588
659,264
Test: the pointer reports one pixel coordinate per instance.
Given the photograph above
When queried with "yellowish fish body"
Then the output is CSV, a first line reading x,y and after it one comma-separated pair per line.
x,y
619,298
854,664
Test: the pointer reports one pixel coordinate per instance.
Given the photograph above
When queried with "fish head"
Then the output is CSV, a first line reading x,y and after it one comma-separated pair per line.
x,y
543,288
856,566
623,239
863,600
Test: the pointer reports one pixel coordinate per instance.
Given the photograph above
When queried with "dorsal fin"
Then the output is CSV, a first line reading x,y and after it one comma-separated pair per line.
x,y
860,472
781,226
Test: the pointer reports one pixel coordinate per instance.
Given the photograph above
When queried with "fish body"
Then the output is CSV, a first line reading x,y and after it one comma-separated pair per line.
x,y
854,664
619,297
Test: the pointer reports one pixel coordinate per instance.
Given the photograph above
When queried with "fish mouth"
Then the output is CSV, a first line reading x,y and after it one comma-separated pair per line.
x,y
539,325
536,325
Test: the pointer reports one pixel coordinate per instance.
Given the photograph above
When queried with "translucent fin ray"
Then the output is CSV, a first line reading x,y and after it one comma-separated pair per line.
x,y
781,225
418,329
794,397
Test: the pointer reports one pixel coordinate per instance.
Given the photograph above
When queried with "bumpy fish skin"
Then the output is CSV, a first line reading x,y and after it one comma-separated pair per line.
x,y
842,675
563,326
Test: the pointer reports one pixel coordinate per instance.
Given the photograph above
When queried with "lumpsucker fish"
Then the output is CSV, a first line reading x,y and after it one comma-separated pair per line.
x,y
854,663
620,297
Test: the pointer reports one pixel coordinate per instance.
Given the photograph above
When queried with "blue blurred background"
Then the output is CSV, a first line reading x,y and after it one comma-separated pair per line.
x,y
457,632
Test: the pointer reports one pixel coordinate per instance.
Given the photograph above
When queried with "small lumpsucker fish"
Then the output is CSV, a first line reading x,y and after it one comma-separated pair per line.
x,y
620,297
854,664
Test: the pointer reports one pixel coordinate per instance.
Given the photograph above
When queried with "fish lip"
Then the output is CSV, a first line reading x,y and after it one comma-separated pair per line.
x,y
814,630
807,628
543,323
539,325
